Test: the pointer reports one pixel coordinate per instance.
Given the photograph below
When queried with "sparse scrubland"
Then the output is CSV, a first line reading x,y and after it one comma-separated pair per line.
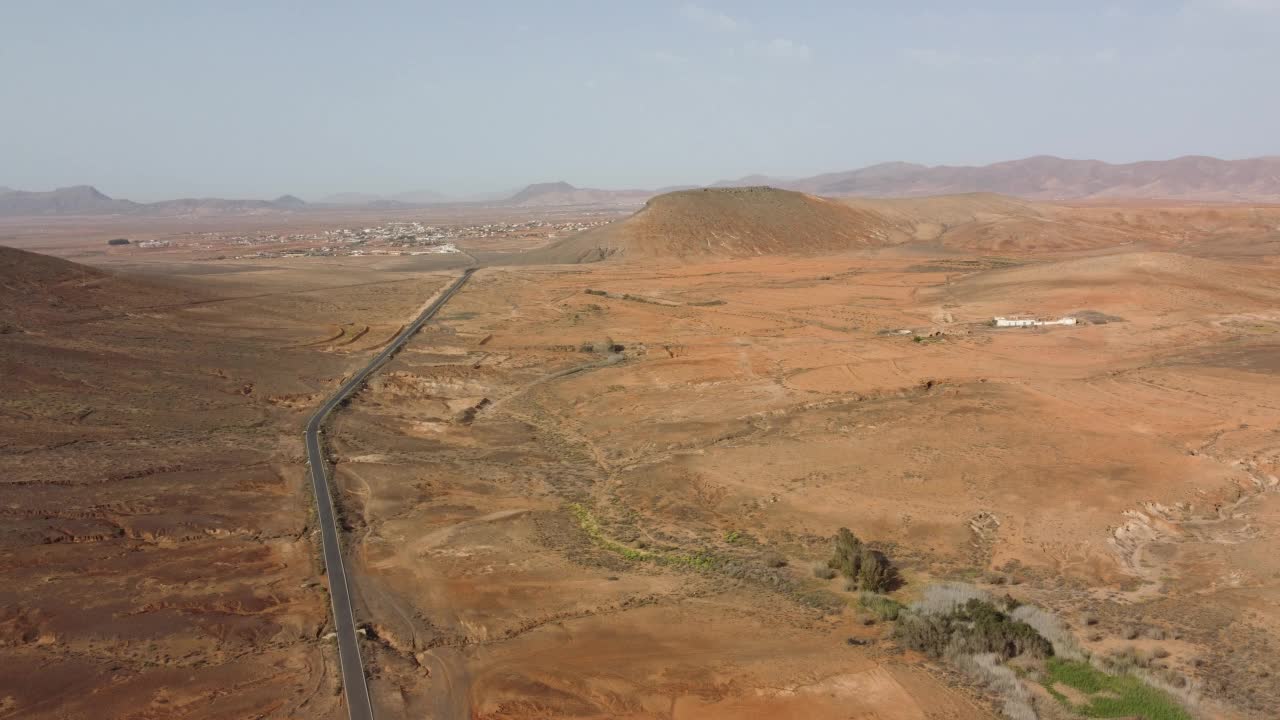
x,y
628,502
1013,648
1007,647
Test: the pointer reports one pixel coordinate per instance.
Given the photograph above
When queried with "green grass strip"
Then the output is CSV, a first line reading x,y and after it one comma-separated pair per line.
x,y
1110,696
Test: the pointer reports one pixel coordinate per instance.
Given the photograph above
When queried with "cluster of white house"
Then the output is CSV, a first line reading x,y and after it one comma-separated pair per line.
x,y
1026,322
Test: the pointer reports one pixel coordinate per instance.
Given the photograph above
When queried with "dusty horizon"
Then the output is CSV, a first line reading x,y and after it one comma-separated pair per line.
x,y
465,99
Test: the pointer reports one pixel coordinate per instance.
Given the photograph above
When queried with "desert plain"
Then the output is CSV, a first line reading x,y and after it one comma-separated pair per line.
x,y
604,481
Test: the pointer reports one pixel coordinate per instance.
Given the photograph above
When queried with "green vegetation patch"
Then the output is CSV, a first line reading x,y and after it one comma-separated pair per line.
x,y
1110,696
591,526
885,608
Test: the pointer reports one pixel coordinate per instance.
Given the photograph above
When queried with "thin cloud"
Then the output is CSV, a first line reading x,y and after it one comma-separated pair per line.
x,y
666,57
709,19
930,57
785,49
1195,10
944,60
1266,6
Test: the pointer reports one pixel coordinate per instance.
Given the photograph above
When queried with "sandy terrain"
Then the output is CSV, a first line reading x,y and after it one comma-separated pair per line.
x,y
1126,468
564,503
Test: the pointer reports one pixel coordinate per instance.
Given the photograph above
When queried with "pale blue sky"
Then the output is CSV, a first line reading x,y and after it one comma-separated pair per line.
x,y
150,100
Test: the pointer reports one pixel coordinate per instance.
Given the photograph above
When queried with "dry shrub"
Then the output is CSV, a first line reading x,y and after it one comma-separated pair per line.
x,y
1051,629
774,559
986,668
1128,661
944,598
1184,689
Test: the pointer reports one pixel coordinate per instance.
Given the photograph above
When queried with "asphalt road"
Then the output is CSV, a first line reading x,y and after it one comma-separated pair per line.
x,y
359,706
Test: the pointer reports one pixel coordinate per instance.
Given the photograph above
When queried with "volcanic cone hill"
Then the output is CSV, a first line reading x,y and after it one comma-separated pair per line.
x,y
726,222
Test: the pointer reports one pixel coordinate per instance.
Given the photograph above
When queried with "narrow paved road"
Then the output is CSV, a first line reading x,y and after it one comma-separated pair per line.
x,y
353,681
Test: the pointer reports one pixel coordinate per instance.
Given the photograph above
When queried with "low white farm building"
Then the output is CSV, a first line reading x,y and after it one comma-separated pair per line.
x,y
1027,322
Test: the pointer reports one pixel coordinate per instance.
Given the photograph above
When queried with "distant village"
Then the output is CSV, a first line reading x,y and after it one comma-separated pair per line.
x,y
399,238
393,238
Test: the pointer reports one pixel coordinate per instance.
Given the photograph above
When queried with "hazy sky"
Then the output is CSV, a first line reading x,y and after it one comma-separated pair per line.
x,y
152,100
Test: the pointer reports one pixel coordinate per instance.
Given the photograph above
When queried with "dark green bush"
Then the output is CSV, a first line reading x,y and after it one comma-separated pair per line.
x,y
875,573
973,628
848,554
868,569
990,630
929,634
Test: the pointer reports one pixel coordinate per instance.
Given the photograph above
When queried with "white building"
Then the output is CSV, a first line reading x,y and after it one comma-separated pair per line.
x,y
1025,322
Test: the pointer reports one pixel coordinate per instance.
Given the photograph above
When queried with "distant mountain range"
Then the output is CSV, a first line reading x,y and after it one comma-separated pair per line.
x,y
562,193
77,200
1051,178
1042,177
416,197
86,200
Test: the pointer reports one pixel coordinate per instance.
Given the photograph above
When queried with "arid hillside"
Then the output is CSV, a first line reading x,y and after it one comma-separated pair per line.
x,y
987,222
154,527
984,222
37,289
